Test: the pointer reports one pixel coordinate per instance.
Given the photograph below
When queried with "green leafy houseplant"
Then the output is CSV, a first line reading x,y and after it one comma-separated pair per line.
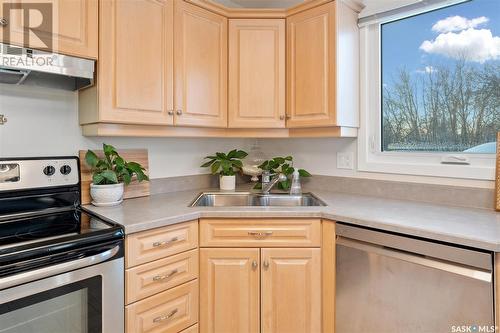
x,y
283,165
225,164
112,168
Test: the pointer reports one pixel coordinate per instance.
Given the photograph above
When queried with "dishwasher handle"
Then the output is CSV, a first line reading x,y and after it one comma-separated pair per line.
x,y
443,265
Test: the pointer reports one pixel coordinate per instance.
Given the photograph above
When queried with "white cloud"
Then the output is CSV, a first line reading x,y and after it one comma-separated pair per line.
x,y
427,70
458,23
477,45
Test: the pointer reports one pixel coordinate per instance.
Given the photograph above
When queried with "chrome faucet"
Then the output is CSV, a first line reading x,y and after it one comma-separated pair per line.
x,y
266,187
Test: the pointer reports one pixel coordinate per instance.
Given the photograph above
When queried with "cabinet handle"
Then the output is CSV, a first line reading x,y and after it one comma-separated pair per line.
x,y
265,264
165,317
3,22
254,265
165,276
179,112
170,112
282,117
260,234
163,243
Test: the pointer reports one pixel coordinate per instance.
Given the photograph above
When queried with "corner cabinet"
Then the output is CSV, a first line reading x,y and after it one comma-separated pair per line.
x,y
200,67
74,32
322,67
257,73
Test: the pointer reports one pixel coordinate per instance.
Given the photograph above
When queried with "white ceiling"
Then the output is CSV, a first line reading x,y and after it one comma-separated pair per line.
x,y
258,3
371,6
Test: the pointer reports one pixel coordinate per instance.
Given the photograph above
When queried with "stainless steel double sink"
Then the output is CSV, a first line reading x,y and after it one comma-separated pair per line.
x,y
245,199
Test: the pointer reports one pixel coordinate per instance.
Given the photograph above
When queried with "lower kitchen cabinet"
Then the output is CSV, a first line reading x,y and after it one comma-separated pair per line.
x,y
260,290
291,290
229,290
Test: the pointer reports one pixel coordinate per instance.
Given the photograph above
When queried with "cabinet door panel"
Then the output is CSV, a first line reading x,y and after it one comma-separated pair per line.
x,y
291,290
311,67
136,65
256,73
200,67
72,26
229,298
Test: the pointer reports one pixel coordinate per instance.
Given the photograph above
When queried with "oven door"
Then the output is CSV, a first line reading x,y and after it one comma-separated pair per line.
x,y
84,295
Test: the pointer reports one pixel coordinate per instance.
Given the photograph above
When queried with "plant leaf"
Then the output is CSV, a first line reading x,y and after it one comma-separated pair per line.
x,y
97,179
241,154
110,176
304,173
207,164
91,159
215,167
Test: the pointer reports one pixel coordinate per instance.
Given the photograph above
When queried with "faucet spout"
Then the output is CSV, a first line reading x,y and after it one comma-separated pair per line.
x,y
266,188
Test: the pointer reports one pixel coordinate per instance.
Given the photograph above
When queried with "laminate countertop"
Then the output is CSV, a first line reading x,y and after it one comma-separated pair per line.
x,y
476,228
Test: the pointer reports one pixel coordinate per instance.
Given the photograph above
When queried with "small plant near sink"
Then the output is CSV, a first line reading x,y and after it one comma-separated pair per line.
x,y
226,165
281,165
110,174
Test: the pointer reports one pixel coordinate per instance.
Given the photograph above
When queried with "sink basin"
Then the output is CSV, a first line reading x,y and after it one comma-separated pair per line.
x,y
242,199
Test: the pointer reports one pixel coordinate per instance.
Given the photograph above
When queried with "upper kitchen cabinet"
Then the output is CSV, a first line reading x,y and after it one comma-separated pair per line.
x,y
257,73
322,67
200,57
60,26
135,69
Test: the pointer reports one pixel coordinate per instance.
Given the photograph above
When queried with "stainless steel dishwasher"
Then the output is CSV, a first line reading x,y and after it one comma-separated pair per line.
x,y
388,283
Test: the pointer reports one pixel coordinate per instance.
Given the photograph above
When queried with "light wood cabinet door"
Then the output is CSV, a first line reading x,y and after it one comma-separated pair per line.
x,y
311,67
135,72
200,67
229,285
257,73
66,27
291,290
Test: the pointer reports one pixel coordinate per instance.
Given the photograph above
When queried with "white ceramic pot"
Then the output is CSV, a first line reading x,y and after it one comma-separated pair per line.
x,y
107,195
227,183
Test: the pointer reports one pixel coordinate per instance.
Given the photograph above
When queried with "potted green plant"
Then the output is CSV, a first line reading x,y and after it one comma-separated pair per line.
x,y
281,165
109,175
226,165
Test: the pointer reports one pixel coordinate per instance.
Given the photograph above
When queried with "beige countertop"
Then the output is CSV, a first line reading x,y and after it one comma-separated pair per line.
x,y
464,226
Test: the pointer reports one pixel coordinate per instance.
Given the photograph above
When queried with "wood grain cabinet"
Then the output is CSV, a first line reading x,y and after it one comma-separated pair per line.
x,y
322,67
257,73
135,70
229,298
291,290
74,28
260,289
200,67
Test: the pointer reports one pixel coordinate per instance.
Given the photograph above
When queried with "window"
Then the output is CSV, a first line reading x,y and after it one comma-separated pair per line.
x,y
431,91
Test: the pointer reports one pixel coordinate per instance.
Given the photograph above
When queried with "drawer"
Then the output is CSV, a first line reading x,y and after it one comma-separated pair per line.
x,y
159,243
192,329
167,312
157,276
260,232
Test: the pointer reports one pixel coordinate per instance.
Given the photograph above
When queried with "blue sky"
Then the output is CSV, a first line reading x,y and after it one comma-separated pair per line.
x,y
402,40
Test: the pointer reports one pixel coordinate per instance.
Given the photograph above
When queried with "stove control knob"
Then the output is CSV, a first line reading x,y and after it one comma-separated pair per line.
x,y
65,169
49,170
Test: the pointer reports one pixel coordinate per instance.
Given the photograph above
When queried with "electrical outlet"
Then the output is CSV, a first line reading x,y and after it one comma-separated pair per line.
x,y
345,160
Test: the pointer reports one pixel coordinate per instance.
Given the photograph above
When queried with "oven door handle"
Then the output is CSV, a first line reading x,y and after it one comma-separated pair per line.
x,y
37,274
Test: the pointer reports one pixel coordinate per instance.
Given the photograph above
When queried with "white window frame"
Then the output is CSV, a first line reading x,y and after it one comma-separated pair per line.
x,y
371,158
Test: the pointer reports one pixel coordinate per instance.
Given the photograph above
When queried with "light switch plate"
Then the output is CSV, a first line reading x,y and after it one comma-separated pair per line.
x,y
345,160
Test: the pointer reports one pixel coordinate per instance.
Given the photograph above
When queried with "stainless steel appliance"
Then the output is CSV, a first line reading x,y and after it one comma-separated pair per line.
x,y
24,66
389,283
61,268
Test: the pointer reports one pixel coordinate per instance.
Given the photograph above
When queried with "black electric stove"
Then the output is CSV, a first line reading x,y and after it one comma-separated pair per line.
x,y
41,222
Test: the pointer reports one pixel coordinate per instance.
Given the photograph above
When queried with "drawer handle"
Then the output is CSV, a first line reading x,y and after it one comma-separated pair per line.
x,y
164,243
266,264
166,317
166,276
260,234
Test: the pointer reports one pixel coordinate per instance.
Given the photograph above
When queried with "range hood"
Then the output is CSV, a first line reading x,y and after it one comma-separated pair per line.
x,y
23,66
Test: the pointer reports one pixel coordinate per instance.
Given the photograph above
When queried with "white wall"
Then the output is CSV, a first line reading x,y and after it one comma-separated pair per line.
x,y
319,156
44,122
